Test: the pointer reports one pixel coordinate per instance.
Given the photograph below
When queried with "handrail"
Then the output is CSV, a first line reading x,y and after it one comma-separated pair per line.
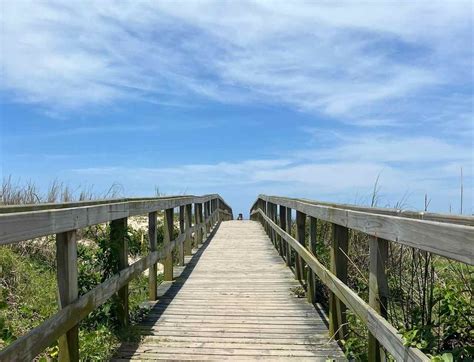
x,y
421,215
66,205
65,219
40,221
447,239
453,239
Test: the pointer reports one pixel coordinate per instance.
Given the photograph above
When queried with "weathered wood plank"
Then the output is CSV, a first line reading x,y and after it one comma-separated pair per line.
x,y
300,236
337,309
386,334
450,240
378,290
35,221
420,215
188,226
239,293
118,233
168,236
152,272
311,278
66,261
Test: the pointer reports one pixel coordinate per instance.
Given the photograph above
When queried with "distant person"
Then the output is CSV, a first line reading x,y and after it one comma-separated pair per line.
x,y
240,217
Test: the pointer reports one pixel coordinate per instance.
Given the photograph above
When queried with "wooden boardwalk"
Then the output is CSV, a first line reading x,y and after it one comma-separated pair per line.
x,y
233,300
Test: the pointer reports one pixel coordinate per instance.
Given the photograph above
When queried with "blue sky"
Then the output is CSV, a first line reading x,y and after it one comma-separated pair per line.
x,y
308,99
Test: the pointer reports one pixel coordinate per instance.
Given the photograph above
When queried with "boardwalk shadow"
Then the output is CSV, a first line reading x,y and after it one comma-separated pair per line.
x,y
166,293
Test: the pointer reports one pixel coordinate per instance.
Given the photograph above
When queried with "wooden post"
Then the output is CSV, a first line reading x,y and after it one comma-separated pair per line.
x,y
300,236
152,271
66,259
279,238
270,216
206,216
118,231
275,234
288,230
337,309
282,217
188,220
378,290
182,230
168,236
199,215
265,211
203,215
311,276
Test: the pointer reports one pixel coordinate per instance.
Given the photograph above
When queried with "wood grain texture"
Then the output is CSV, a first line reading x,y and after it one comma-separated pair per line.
x,y
337,309
378,290
168,236
28,222
420,215
118,233
233,301
152,272
386,334
66,261
451,240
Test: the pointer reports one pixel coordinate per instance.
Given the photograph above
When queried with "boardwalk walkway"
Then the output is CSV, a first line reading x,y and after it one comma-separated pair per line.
x,y
233,300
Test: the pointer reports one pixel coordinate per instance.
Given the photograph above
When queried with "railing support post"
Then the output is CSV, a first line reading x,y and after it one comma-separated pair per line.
x,y
288,230
203,217
275,234
199,216
300,236
168,236
282,217
66,258
118,236
152,271
182,230
188,220
311,276
378,290
270,215
337,309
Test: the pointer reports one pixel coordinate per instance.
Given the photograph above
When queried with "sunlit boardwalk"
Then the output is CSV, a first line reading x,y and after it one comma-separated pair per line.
x,y
234,300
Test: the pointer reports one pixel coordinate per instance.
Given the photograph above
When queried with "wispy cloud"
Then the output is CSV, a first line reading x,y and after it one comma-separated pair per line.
x,y
343,173
345,60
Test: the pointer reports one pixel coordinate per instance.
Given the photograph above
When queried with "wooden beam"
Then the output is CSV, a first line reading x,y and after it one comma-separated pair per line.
x,y
282,217
153,270
311,277
188,244
118,237
378,290
446,239
168,236
420,215
66,261
288,230
182,230
26,225
300,237
337,309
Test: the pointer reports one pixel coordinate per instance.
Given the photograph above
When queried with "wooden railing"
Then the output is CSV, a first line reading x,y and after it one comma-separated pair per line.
x,y
20,223
445,235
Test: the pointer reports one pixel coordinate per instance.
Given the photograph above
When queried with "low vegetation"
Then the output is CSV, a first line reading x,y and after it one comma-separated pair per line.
x,y
28,277
430,299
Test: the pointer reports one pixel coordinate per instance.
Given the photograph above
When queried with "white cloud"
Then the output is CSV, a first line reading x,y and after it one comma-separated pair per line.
x,y
348,175
342,59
